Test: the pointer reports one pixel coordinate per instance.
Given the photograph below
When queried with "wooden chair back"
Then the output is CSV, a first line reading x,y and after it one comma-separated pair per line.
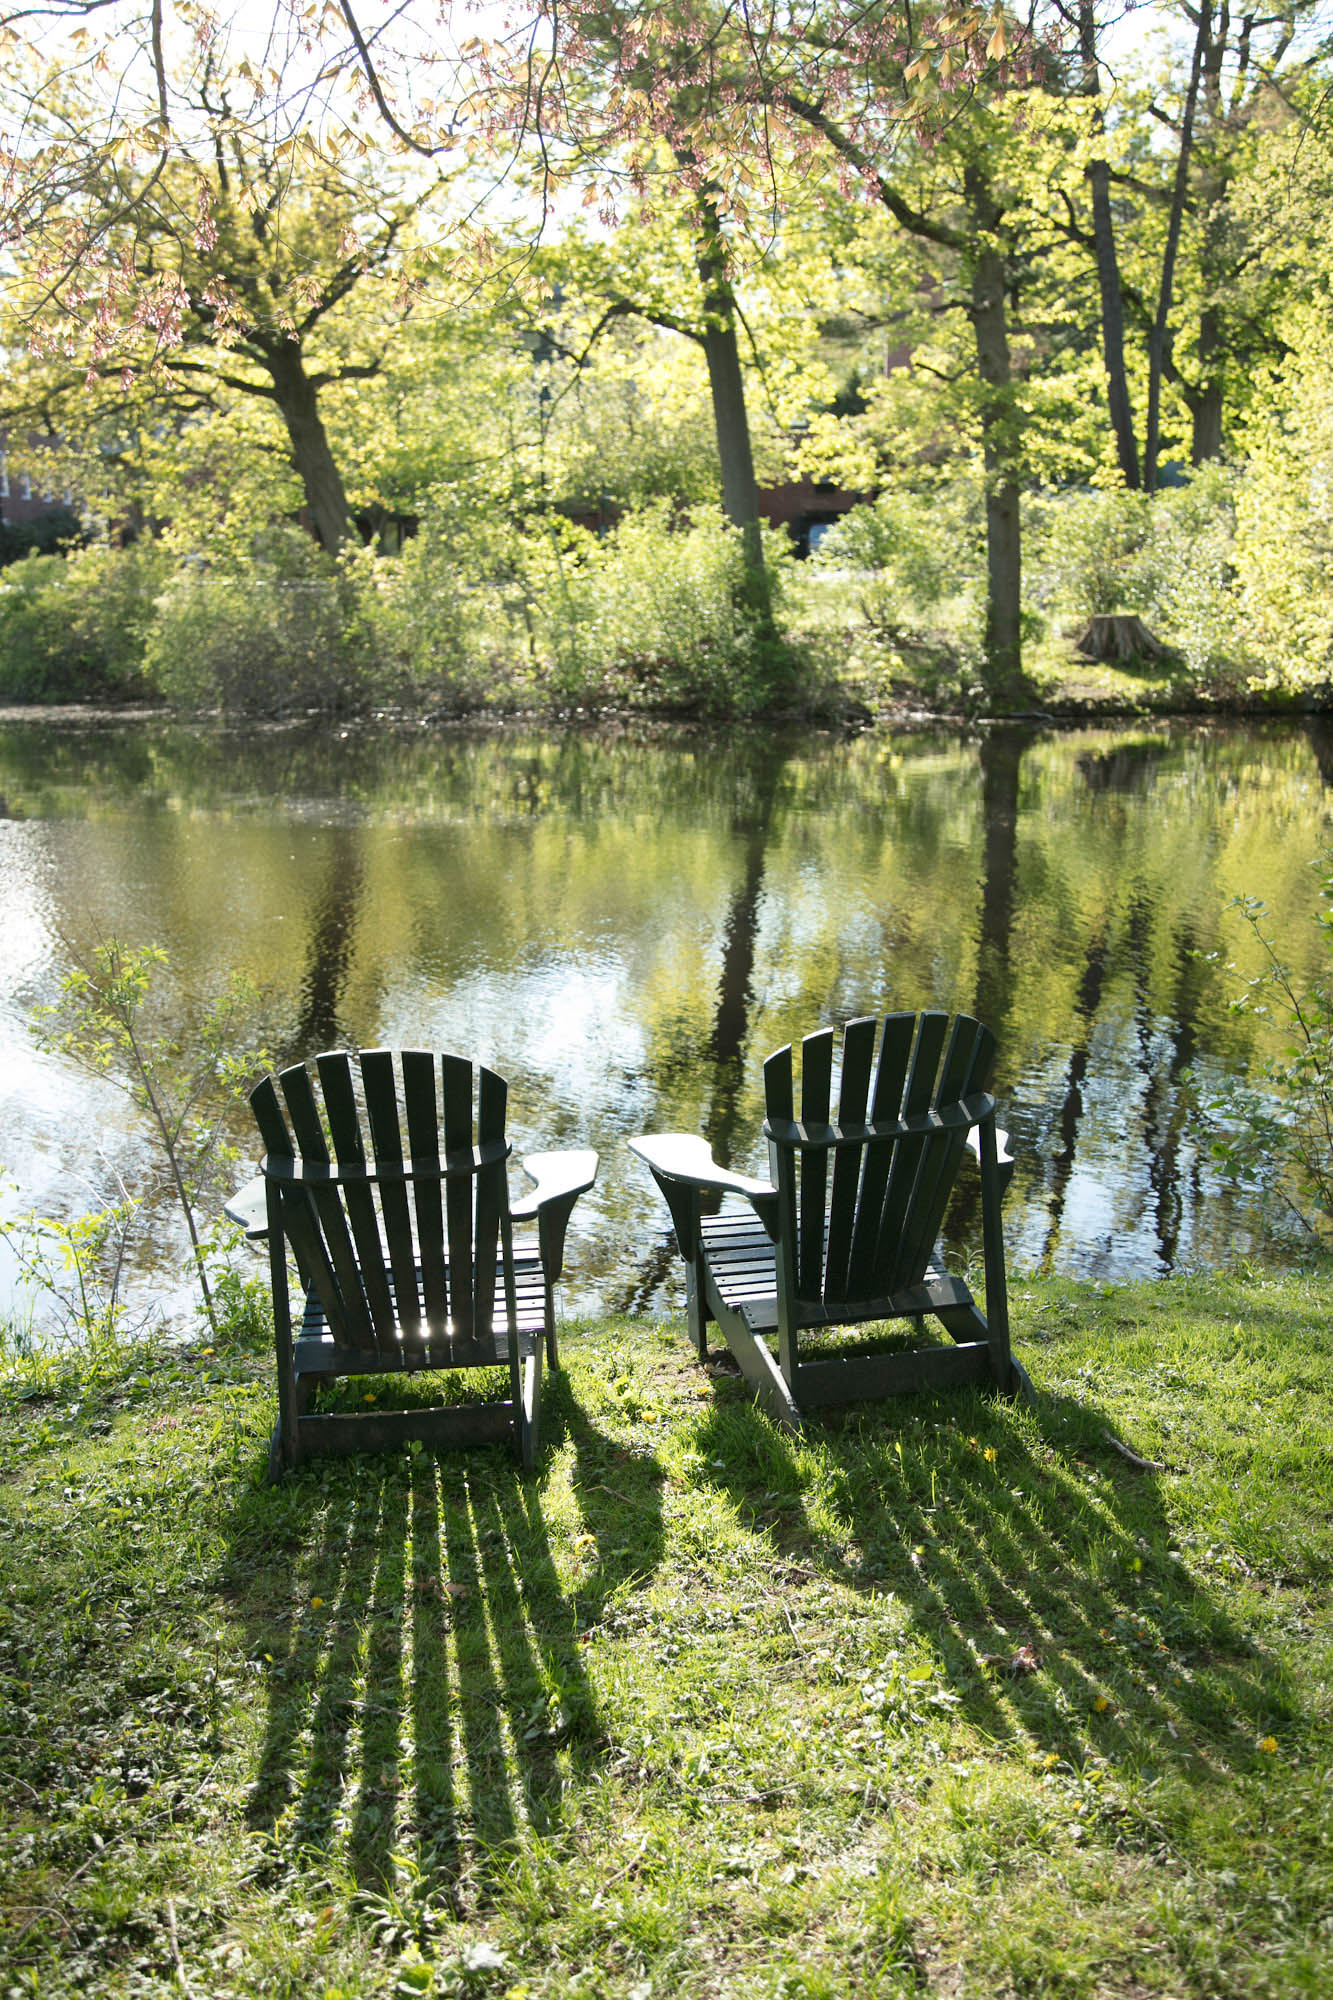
x,y
862,1195
393,1194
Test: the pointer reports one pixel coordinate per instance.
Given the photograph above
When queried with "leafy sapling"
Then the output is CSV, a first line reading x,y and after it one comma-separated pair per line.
x,y
112,1020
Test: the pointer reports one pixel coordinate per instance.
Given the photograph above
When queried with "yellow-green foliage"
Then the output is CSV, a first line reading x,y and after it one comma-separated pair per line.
x,y
1284,512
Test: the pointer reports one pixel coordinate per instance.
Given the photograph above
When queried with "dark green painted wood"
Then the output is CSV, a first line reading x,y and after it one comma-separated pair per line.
x,y
349,1146
492,1201
816,1093
307,1125
334,1070
938,1165
852,1242
456,1079
423,1146
858,1050
886,1103
268,1116
376,1225
958,1078
778,1099
909,1153
864,1378
386,1144
779,1102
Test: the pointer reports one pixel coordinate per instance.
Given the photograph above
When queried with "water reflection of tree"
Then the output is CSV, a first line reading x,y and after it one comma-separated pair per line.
x,y
735,993
1165,1105
1000,756
333,916
1072,1102
723,1053
1319,731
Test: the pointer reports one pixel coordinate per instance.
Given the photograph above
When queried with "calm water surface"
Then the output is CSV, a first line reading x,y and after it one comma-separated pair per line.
x,y
626,926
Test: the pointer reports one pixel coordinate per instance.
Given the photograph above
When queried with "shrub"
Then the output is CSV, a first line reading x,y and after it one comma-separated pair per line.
x,y
1284,510
914,552
1187,572
75,627
265,643
1085,552
1169,558
664,611
112,1019
430,633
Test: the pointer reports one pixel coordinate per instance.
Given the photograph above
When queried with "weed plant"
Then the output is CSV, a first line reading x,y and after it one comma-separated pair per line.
x,y
947,1696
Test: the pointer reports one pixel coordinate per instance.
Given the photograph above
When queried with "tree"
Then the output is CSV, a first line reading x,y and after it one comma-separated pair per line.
x,y
1178,265
253,263
957,197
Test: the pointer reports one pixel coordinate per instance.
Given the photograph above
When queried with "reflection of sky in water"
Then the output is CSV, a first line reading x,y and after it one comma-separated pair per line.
x,y
583,946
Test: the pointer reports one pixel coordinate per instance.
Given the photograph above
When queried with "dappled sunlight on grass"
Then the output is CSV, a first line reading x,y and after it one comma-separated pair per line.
x,y
947,1695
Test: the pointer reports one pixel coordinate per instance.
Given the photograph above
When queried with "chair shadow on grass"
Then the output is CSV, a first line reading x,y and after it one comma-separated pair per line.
x,y
426,1702
1032,1558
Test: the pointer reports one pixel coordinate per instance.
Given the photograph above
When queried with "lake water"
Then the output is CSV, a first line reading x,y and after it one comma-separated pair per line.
x,y
626,924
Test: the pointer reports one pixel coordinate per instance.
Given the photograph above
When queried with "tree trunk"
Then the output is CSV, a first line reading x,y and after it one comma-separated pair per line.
x,y
740,491
1158,339
312,460
1003,641
1206,411
1108,268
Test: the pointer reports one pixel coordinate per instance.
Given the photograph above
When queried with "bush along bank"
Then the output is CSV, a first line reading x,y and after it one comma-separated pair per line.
x,y
661,613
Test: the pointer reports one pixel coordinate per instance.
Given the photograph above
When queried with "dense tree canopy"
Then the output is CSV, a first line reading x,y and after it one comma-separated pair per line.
x,y
579,257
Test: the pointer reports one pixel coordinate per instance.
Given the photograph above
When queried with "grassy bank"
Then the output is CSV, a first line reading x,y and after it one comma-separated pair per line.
x,y
947,1697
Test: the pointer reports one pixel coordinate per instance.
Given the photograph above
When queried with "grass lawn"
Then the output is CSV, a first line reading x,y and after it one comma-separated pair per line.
x,y
946,1698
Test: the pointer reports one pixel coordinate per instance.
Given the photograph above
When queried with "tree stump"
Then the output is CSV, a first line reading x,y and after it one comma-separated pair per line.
x,y
1118,635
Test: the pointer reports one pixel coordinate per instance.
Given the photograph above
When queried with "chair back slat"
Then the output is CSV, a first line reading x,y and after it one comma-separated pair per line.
x,y
779,1101
303,1110
865,1226
386,1140
816,1096
268,1117
357,1154
323,1204
908,1152
337,1084
492,1200
456,1080
302,1225
423,1143
334,1070
886,1103
967,1067
858,1049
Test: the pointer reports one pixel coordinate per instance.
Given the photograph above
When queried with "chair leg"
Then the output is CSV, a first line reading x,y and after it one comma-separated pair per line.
x,y
552,1354
277,1461
527,1414
696,1309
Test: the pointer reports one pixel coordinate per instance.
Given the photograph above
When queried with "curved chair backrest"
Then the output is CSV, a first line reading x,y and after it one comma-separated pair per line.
x,y
393,1194
862,1197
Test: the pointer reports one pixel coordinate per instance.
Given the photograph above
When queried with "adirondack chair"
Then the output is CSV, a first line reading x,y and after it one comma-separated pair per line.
x,y
403,1239
843,1232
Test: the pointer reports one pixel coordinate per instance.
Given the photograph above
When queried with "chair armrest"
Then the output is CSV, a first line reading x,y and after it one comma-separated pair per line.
x,y
684,1168
1005,1160
248,1208
561,1178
